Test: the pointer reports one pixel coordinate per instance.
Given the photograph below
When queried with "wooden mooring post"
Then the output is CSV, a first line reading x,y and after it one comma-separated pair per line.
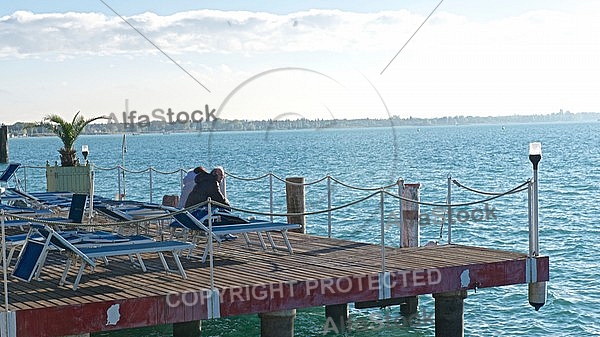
x,y
410,234
294,190
3,144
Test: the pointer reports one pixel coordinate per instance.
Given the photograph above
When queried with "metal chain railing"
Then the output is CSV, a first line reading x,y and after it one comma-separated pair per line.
x,y
381,192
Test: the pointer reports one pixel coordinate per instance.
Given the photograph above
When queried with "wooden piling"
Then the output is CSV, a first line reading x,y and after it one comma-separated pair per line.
x,y
3,144
187,329
296,203
410,216
410,236
449,314
277,323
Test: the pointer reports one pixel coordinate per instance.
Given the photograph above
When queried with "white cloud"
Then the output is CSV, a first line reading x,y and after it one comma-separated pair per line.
x,y
25,34
539,61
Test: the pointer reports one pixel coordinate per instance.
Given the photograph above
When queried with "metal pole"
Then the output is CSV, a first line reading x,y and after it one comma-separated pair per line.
x,y
382,217
534,219
123,150
530,218
401,216
535,156
210,245
119,181
536,290
150,184
271,195
25,177
181,175
329,207
449,203
91,208
4,268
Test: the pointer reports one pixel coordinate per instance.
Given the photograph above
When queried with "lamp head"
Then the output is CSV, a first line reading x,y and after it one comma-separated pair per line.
x,y
535,153
85,151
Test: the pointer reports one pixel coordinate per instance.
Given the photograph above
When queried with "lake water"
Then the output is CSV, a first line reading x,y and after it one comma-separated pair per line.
x,y
485,157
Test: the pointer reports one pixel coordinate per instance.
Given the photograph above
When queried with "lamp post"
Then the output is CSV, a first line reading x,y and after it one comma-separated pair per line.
x,y
537,290
535,156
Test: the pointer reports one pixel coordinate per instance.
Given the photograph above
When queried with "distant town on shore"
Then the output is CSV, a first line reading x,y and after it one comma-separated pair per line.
x,y
28,129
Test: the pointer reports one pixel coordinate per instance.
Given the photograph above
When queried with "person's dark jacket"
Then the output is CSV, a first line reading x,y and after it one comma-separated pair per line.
x,y
206,186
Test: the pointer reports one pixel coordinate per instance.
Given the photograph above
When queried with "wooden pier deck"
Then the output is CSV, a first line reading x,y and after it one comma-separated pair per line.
x,y
320,272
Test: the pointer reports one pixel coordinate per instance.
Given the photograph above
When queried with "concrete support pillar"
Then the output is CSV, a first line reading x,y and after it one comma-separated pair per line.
x,y
449,314
187,329
337,317
410,306
3,144
277,323
296,202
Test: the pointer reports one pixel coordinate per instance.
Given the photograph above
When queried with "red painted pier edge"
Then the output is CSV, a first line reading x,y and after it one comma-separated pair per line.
x,y
93,317
175,308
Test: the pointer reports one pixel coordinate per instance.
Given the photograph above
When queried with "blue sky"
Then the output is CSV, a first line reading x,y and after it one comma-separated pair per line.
x,y
470,58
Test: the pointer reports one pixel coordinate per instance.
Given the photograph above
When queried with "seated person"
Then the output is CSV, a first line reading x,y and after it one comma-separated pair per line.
x,y
207,186
219,173
188,185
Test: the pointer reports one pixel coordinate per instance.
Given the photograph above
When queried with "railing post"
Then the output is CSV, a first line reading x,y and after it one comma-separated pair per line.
x,y
382,229
210,245
449,203
25,177
91,208
150,170
119,182
271,195
329,206
182,173
4,266
123,151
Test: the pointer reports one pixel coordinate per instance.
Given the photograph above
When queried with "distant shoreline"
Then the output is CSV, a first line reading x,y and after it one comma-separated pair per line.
x,y
154,127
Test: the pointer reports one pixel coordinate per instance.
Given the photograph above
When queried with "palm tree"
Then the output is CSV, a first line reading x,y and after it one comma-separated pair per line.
x,y
68,133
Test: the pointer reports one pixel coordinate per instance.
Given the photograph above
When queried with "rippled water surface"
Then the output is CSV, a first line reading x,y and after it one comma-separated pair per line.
x,y
486,157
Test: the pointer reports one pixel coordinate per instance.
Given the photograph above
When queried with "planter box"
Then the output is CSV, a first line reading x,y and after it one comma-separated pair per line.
x,y
76,179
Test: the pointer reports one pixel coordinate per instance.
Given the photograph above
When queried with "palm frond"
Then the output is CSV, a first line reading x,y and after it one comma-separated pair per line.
x,y
67,132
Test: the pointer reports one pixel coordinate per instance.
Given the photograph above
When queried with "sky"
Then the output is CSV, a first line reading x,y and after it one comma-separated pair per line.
x,y
289,59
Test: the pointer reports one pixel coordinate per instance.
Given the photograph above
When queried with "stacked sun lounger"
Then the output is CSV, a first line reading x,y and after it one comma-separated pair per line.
x,y
41,239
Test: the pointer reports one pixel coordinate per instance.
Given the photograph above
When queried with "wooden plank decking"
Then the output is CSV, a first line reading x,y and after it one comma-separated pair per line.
x,y
321,271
